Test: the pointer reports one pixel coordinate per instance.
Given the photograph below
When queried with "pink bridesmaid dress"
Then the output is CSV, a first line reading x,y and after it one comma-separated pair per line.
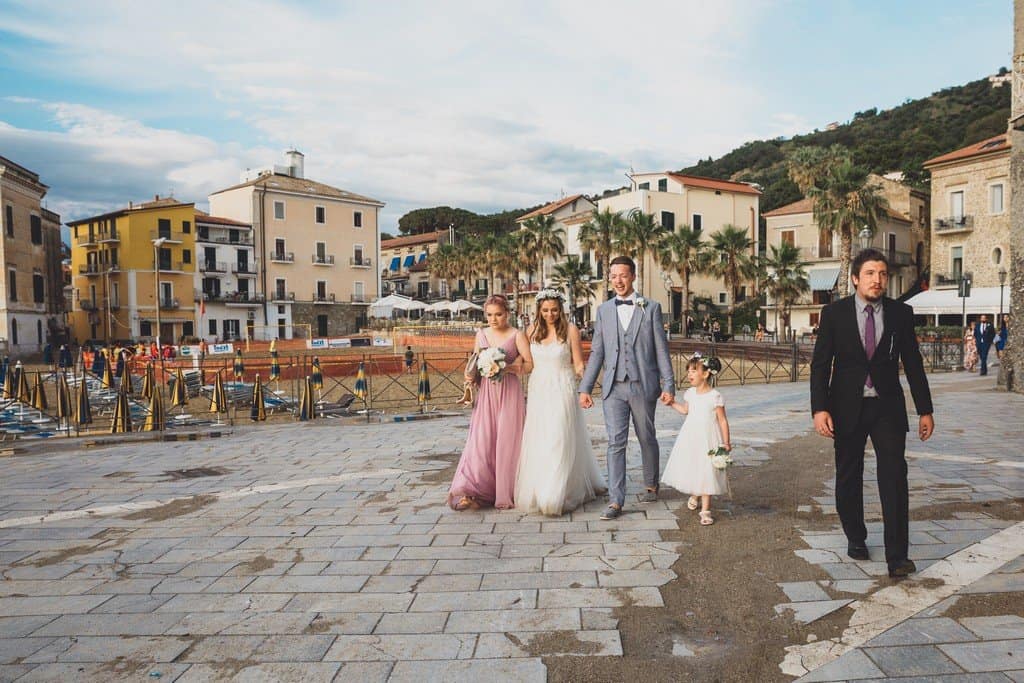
x,y
490,460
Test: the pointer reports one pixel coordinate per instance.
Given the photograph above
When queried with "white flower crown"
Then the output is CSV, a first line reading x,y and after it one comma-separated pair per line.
x,y
550,294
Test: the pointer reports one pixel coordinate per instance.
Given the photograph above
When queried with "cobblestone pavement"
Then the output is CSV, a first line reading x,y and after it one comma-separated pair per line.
x,y
325,552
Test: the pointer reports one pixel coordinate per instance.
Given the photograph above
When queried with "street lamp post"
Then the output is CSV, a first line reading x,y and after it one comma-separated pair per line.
x,y
865,237
157,243
1002,283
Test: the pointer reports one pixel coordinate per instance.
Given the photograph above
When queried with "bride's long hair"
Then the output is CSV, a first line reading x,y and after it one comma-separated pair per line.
x,y
540,327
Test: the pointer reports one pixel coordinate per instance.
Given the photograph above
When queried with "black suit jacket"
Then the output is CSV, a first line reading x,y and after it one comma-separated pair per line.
x,y
984,339
840,366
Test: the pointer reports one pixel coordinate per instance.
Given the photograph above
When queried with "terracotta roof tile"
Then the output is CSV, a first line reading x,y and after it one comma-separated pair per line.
x,y
799,206
219,220
549,208
286,183
998,143
408,240
715,184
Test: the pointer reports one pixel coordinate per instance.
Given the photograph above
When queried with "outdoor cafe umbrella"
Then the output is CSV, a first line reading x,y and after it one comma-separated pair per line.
x,y
258,412
24,395
39,401
83,411
63,399
360,389
307,408
219,400
423,393
122,421
156,420
179,396
239,366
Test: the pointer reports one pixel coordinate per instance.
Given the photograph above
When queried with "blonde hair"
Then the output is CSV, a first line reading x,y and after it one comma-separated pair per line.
x,y
540,327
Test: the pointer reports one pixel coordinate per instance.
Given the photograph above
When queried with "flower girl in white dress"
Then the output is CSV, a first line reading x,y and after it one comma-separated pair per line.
x,y
690,469
557,468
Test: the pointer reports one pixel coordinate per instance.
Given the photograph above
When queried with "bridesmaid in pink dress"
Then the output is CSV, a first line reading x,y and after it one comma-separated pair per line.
x,y
487,469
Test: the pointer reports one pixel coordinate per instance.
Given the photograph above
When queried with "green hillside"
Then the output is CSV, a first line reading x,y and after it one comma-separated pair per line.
x,y
897,139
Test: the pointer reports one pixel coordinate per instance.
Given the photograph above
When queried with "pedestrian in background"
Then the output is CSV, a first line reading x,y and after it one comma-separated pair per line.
x,y
984,335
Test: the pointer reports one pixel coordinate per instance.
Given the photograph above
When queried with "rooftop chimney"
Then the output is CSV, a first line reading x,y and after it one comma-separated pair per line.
x,y
295,160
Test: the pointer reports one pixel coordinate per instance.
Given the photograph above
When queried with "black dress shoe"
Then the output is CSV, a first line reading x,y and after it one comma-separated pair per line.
x,y
901,568
857,551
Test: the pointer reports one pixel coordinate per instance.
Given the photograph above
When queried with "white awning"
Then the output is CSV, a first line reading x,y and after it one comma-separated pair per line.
x,y
943,301
823,279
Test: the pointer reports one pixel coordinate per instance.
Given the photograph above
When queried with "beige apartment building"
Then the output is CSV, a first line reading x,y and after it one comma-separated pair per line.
x,y
706,205
794,224
31,294
225,280
316,247
405,270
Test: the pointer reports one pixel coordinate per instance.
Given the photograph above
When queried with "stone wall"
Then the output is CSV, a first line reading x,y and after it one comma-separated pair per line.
x,y
342,319
1013,358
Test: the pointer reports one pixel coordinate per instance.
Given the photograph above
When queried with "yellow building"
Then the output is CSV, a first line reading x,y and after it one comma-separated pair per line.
x,y
115,260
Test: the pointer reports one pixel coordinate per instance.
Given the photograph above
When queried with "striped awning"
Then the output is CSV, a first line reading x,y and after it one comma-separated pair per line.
x,y
395,263
824,279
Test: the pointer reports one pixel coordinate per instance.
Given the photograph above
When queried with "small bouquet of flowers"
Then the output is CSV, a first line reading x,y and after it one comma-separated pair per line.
x,y
720,458
491,363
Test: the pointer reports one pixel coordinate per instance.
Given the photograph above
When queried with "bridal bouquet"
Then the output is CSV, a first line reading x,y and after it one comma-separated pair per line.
x,y
720,458
491,363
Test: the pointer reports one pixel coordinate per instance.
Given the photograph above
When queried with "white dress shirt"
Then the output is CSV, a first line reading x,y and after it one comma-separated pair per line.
x,y
625,313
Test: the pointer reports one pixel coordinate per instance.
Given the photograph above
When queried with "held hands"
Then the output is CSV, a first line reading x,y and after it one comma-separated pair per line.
x,y
667,398
586,401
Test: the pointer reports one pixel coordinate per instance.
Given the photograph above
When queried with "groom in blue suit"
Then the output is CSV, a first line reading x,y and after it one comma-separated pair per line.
x,y
630,344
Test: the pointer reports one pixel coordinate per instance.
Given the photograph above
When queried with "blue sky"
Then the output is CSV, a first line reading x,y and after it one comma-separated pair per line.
x,y
421,104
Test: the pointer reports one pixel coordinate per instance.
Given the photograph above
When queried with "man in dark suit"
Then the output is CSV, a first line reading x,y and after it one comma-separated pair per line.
x,y
856,393
984,335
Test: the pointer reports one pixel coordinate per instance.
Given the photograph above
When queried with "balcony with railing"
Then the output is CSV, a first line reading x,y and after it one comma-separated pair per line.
x,y
281,295
90,269
323,259
360,262
243,268
171,267
954,224
948,279
898,258
282,256
360,298
323,297
87,240
169,236
88,305
170,303
220,237
236,298
213,267
109,236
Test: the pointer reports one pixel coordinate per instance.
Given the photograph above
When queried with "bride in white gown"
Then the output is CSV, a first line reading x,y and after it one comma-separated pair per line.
x,y
557,468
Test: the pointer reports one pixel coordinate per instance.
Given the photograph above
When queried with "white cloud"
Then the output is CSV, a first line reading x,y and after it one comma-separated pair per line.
x,y
415,104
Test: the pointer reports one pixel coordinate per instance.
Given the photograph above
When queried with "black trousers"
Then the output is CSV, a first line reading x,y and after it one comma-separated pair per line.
x,y
889,438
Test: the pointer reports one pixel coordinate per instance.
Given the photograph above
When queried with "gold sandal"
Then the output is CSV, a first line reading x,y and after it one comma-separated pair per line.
x,y
467,503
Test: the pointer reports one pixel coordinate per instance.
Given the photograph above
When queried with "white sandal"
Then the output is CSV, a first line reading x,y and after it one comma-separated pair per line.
x,y
692,503
705,518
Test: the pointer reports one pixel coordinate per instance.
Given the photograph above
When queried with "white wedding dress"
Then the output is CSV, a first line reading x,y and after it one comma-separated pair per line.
x,y
557,468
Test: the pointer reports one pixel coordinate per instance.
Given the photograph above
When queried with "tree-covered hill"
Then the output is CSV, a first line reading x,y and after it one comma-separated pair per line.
x,y
897,139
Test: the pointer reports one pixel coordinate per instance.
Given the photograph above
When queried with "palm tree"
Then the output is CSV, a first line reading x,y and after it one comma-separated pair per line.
x,y
599,235
641,233
685,253
444,264
845,201
543,239
517,259
731,261
787,280
574,275
807,164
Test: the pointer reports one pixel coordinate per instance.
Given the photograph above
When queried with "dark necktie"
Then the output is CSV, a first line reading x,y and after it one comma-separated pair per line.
x,y
869,337
623,302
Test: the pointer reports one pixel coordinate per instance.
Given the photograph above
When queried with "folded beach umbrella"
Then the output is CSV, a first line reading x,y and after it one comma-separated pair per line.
x,y
317,378
258,413
39,401
275,367
122,422
107,377
3,376
24,395
307,408
9,385
63,399
83,411
423,393
219,400
156,420
239,366
360,389
179,395
119,368
148,381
